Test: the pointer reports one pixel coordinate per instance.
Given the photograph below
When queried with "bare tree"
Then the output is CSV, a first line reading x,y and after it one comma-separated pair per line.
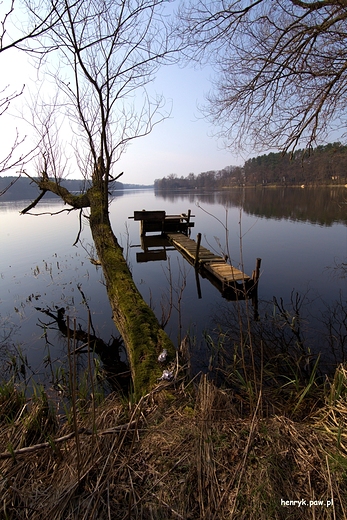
x,y
281,68
106,52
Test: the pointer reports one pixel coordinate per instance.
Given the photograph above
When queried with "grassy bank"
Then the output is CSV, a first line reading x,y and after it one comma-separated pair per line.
x,y
187,450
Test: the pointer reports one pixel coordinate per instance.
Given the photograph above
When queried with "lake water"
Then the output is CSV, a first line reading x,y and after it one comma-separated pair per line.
x,y
300,235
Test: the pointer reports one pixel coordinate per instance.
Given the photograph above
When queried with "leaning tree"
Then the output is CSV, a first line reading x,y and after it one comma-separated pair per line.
x,y
281,68
101,54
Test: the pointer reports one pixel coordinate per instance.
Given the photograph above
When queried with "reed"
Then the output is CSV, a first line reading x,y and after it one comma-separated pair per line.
x,y
183,451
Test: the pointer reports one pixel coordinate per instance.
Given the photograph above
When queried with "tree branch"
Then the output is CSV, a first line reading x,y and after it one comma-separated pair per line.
x,y
75,201
33,204
51,444
2,192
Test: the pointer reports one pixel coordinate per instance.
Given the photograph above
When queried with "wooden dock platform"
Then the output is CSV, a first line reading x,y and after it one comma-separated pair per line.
x,y
153,221
213,266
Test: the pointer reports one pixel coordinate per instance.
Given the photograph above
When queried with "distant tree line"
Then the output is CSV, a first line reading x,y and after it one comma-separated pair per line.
x,y
22,188
228,176
322,165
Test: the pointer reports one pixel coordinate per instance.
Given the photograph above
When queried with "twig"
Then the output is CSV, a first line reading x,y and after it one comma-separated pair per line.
x,y
243,464
33,204
81,431
9,186
331,488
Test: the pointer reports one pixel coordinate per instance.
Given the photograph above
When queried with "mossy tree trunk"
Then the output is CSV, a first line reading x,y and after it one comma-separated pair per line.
x,y
143,336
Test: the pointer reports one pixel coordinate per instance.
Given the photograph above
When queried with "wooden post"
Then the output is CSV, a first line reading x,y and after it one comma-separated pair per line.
x,y
198,240
256,272
188,217
198,286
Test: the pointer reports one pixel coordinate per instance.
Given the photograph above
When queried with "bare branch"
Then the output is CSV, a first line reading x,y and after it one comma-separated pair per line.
x,y
12,159
33,204
75,201
281,69
39,22
2,192
112,54
80,228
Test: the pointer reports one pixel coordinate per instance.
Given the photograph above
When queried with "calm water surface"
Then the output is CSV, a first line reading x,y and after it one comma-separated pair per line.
x,y
300,235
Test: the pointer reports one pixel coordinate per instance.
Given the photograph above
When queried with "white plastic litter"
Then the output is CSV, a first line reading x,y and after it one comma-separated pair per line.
x,y
162,357
166,376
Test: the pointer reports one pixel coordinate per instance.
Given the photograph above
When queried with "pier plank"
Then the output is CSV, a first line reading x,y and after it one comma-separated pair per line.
x,y
227,273
216,265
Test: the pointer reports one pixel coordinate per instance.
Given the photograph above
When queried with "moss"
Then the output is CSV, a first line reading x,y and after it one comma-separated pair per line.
x,y
76,201
189,410
137,323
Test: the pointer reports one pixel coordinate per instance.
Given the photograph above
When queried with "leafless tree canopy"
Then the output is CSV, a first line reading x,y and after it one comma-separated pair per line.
x,y
93,57
104,52
280,68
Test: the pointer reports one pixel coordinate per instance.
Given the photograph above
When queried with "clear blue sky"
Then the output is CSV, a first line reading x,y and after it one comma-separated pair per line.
x,y
184,142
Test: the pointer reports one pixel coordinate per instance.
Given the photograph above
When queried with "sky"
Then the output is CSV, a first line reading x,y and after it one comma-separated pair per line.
x,y
181,144
184,143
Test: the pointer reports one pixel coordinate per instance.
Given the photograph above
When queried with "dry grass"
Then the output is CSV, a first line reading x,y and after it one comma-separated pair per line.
x,y
182,452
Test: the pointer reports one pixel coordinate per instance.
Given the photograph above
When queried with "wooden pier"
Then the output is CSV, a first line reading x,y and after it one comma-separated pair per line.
x,y
174,230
